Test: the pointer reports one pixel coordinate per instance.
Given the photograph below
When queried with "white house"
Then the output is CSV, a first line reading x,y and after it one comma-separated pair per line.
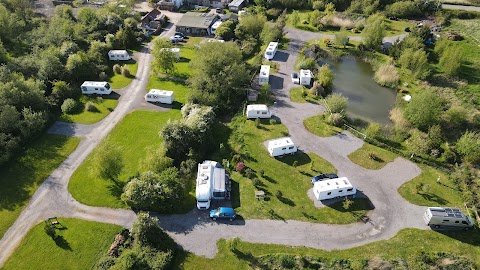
x,y
305,77
160,96
99,88
258,111
215,25
282,146
271,50
332,188
176,51
118,55
264,75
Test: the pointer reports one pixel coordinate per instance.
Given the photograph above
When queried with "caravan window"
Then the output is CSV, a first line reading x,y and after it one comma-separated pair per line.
x,y
350,189
457,221
96,89
284,148
445,220
341,190
264,112
464,222
329,193
291,147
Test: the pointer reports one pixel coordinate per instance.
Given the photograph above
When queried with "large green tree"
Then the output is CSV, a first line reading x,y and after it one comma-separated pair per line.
x,y
164,59
469,146
108,162
424,110
374,31
250,26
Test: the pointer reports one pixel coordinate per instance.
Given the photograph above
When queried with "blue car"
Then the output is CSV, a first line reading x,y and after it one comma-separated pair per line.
x,y
223,213
323,176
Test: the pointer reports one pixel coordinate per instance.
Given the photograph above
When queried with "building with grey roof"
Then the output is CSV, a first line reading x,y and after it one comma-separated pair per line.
x,y
196,24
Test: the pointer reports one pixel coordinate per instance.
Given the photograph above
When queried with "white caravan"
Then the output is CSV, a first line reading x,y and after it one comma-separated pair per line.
x,y
211,182
258,111
264,75
271,50
118,55
332,188
280,147
160,96
175,51
305,77
99,88
446,217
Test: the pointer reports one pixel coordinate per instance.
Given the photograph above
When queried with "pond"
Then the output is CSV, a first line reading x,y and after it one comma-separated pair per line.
x,y
367,100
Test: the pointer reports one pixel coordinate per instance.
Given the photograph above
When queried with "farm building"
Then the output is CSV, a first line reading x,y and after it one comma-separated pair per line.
x,y
196,24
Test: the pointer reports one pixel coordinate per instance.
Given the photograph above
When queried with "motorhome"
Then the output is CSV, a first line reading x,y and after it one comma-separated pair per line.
x,y
271,50
280,147
258,111
438,217
211,184
305,77
160,96
332,188
264,75
99,88
118,55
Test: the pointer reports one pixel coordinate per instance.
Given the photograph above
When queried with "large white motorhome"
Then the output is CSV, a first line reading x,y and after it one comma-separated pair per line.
x,y
333,188
271,50
99,88
211,184
446,217
280,147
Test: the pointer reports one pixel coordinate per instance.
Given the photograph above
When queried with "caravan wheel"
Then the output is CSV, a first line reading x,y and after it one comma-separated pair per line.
x,y
467,228
436,226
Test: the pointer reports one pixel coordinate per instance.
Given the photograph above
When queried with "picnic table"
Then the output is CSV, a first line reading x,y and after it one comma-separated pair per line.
x,y
259,194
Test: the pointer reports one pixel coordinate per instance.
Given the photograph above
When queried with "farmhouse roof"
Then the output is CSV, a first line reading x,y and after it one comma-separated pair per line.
x,y
197,20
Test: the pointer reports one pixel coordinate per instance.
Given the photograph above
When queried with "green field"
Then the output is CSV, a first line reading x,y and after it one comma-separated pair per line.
x,y
406,245
318,126
118,81
280,174
22,176
179,88
135,135
104,106
78,245
362,156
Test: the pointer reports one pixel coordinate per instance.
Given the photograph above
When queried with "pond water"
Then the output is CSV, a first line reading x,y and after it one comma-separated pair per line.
x,y
366,99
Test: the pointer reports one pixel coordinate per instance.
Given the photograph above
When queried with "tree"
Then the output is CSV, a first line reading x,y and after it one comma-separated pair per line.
x,y
424,110
61,91
156,161
403,9
330,9
250,26
341,39
374,31
337,103
226,30
416,62
325,77
295,17
418,142
469,146
213,59
451,60
164,59
3,54
108,162
147,232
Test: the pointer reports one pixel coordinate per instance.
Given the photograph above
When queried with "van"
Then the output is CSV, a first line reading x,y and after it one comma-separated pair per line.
x,y
439,217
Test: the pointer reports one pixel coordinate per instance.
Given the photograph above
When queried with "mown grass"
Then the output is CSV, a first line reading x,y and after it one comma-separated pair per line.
x,y
318,126
118,81
432,193
296,95
362,157
179,88
182,67
406,245
78,245
104,106
290,175
135,135
23,175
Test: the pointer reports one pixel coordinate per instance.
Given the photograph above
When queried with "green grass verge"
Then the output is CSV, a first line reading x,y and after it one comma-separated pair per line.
x,y
433,193
182,67
135,135
118,81
296,95
22,176
406,245
361,157
179,88
318,126
281,175
78,246
104,105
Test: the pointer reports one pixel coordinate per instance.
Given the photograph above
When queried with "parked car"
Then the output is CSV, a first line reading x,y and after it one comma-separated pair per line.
x,y
180,34
295,78
219,11
323,176
223,213
176,38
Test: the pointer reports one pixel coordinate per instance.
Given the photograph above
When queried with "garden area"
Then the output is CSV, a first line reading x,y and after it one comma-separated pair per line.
x,y
20,177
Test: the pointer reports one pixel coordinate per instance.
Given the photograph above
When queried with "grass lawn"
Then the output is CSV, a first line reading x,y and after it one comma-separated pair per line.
x,y
104,105
21,177
318,126
469,28
118,81
135,135
433,193
296,95
180,89
281,175
406,245
78,246
361,157
182,67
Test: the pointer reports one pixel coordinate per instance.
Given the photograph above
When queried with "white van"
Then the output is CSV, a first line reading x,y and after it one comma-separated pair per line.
x,y
258,111
280,147
271,50
447,217
160,96
99,88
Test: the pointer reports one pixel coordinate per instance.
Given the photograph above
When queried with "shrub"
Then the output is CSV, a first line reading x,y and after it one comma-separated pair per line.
x,y
273,122
90,107
117,69
424,110
469,146
295,163
336,119
249,173
347,203
326,77
257,122
126,72
308,63
337,103
240,167
69,105
103,76
304,93
256,182
403,9
261,173
387,75
236,158
360,25
327,42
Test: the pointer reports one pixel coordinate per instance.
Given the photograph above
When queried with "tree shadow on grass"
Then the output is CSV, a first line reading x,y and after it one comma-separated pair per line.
x,y
251,260
286,201
300,157
269,179
62,243
116,189
433,198
308,216
471,237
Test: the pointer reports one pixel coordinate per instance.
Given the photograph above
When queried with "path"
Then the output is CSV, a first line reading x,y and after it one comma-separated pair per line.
x,y
461,7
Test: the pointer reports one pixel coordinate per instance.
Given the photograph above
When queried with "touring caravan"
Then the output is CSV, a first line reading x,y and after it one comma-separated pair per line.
x,y
160,96
264,75
99,88
280,147
118,55
175,51
333,188
258,111
271,50
446,217
305,77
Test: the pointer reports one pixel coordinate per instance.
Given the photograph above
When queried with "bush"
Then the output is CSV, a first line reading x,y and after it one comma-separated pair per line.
x,y
308,63
240,167
469,146
273,122
336,119
304,93
256,182
236,158
69,105
90,107
126,72
249,173
117,69
257,122
103,76
373,130
337,103
387,75
403,9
